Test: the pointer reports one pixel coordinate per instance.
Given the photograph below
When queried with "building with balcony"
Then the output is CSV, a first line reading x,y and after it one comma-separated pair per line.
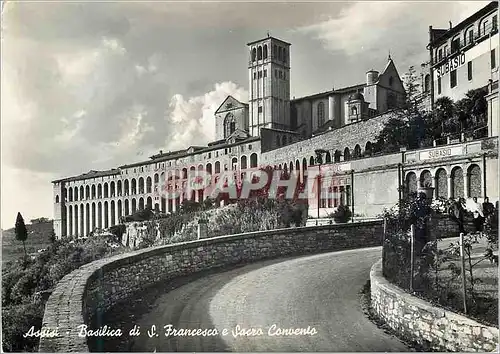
x,y
465,56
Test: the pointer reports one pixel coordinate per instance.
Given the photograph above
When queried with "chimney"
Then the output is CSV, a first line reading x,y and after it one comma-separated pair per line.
x,y
450,25
161,152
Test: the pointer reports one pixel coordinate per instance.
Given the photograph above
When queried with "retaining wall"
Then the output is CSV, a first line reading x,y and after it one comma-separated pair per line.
x,y
417,320
96,287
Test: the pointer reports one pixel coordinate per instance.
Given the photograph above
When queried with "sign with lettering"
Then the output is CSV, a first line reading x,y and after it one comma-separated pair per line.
x,y
451,64
441,152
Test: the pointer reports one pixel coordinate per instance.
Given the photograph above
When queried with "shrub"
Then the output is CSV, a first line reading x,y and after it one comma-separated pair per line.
x,y
342,214
16,321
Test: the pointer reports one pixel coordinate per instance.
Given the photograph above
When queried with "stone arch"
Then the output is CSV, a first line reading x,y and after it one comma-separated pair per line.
x,y
149,203
106,190
297,165
311,161
347,154
93,191
94,218
141,185
127,208
70,194
134,205
82,220
336,156
119,188
328,158
254,54
368,148
149,184
457,182
112,189
442,183
425,178
156,178
357,151
209,168
411,183
126,187
259,53
106,215
119,206
265,51
99,215
82,195
87,218
70,220
99,191
141,203
87,192
112,207
474,179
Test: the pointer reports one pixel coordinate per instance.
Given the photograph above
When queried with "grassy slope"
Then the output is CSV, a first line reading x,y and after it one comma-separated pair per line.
x,y
38,238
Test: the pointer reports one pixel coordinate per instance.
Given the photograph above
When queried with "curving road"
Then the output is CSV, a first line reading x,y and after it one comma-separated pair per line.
x,y
319,291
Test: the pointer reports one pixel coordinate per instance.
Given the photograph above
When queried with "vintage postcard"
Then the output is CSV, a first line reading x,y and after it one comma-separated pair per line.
x,y
238,176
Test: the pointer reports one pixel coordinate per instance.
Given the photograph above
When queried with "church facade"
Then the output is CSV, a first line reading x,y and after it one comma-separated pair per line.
x,y
272,129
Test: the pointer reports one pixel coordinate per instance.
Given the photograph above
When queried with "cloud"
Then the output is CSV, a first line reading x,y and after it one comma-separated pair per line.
x,y
372,29
193,118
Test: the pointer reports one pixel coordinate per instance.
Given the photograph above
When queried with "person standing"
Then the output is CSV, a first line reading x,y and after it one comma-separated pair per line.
x,y
488,208
457,212
478,214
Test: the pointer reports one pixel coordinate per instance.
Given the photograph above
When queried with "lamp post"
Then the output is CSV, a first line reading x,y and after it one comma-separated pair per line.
x,y
319,160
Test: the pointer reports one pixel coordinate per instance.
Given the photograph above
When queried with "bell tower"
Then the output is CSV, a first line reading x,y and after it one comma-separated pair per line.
x,y
269,84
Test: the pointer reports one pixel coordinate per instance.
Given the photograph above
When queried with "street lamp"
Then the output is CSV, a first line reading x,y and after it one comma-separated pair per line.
x,y
319,160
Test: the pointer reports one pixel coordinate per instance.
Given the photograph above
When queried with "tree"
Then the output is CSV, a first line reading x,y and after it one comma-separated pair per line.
x,y
21,232
52,236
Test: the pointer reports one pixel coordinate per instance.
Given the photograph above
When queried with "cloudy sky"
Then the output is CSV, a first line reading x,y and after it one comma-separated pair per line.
x,y
95,85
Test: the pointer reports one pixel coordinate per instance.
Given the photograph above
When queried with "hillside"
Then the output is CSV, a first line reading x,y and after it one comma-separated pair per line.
x,y
38,238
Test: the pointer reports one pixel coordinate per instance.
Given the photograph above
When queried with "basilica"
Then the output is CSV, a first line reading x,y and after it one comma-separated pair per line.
x,y
271,129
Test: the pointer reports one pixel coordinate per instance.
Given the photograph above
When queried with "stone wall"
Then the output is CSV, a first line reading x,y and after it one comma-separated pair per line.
x,y
417,320
98,286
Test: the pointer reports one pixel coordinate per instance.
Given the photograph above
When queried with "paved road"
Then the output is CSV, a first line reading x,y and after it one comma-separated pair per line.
x,y
320,291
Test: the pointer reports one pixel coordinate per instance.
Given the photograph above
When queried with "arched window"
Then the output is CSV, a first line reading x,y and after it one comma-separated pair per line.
x,y
469,35
57,199
474,177
411,183
229,125
265,51
243,162
234,163
254,54
336,156
328,158
357,151
321,114
427,83
425,179
311,161
442,183
368,148
253,160
354,111
217,167
347,154
259,53
457,180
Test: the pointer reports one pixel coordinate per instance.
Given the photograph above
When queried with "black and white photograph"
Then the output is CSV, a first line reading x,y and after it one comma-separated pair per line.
x,y
249,176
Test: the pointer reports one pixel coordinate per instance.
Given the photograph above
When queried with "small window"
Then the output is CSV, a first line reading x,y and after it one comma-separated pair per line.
x,y
455,45
249,147
440,54
265,73
260,109
209,155
453,78
494,24
445,50
225,151
275,73
391,80
254,75
260,74
439,85
281,74
493,59
469,70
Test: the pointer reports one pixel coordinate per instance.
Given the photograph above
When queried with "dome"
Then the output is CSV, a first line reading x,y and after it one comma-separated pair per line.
x,y
356,96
